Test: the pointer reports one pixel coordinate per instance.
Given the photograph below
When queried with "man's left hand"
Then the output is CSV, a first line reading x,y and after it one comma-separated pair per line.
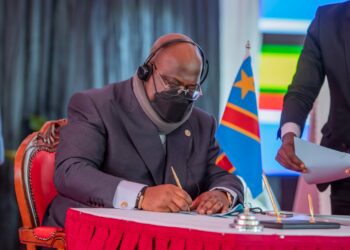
x,y
211,202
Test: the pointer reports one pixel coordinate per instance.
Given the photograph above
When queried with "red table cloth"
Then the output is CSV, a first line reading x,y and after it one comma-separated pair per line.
x,y
86,231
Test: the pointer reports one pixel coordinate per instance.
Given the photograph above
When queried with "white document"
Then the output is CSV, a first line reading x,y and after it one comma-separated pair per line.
x,y
323,164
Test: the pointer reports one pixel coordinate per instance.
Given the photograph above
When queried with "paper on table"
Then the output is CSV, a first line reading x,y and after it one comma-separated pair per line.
x,y
323,164
341,219
232,212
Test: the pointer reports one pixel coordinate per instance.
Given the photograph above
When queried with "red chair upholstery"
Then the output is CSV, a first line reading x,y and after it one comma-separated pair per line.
x,y
34,169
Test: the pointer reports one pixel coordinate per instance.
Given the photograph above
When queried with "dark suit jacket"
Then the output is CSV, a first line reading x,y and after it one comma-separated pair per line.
x,y
326,52
109,138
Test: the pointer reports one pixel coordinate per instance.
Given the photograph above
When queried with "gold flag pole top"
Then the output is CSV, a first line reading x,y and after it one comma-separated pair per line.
x,y
247,47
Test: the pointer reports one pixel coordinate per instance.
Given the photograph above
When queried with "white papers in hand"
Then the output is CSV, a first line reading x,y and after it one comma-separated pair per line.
x,y
323,164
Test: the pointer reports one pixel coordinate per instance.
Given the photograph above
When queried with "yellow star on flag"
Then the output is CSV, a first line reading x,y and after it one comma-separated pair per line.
x,y
246,84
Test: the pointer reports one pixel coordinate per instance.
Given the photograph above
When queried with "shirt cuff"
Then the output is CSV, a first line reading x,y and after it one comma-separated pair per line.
x,y
290,127
126,194
232,193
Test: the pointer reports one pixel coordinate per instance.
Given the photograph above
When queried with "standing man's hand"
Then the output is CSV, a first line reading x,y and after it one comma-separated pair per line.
x,y
166,198
286,154
211,202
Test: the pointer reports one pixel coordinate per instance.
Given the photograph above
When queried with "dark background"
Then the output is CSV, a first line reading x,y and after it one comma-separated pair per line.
x,y
50,49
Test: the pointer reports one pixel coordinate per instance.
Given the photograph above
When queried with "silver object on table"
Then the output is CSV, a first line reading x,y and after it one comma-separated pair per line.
x,y
247,222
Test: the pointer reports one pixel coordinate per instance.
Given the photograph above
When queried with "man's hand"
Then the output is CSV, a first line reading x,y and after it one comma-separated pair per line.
x,y
286,154
166,198
211,202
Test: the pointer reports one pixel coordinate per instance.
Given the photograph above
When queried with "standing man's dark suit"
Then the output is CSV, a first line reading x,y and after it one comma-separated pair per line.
x,y
109,138
326,52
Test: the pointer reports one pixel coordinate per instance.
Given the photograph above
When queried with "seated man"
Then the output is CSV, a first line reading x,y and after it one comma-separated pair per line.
x,y
121,142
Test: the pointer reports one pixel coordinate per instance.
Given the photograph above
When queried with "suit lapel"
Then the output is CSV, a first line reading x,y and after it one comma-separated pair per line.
x,y
179,144
143,134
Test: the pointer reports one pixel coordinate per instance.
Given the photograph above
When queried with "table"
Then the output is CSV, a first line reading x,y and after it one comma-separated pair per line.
x,y
101,228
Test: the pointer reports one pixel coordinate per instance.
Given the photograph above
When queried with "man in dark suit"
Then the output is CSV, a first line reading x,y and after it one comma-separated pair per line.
x,y
121,141
326,52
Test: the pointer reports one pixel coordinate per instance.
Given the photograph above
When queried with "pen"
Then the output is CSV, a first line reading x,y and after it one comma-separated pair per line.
x,y
177,181
311,207
268,188
176,178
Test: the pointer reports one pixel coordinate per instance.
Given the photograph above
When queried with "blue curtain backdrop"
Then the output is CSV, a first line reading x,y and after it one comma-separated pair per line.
x,y
51,49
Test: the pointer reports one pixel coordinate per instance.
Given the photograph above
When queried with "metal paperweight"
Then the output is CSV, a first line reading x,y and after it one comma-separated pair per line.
x,y
246,222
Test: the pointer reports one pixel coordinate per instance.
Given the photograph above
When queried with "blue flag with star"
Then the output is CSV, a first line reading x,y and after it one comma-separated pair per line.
x,y
238,133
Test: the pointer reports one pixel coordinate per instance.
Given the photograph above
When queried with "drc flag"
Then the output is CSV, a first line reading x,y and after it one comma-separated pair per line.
x,y
238,133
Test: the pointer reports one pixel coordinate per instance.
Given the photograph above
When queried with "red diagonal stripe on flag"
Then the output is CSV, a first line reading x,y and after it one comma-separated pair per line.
x,y
247,124
223,162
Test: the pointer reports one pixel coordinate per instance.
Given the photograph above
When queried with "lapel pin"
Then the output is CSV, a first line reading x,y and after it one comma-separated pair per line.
x,y
187,132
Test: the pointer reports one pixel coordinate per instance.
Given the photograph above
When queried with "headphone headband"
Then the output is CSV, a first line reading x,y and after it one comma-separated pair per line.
x,y
145,71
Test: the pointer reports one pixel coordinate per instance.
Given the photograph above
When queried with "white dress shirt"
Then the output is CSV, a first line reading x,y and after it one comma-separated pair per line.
x,y
290,127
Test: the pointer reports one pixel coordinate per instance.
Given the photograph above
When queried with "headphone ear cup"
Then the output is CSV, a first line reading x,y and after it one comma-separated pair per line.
x,y
144,72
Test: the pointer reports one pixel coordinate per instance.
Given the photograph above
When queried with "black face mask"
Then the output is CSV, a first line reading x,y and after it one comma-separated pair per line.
x,y
171,108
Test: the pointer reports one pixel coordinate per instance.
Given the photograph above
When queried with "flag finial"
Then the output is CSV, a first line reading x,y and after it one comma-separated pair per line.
x,y
247,45
247,49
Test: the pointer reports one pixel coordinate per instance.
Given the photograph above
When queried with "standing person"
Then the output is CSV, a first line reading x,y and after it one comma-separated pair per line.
x,y
121,141
326,52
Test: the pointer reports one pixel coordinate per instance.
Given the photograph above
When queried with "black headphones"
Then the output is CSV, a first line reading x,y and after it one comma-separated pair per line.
x,y
146,70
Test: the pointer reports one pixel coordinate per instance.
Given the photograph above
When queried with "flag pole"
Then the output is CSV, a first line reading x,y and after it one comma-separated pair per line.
x,y
246,204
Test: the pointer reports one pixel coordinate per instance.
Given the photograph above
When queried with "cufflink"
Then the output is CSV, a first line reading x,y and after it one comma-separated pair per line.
x,y
187,132
124,204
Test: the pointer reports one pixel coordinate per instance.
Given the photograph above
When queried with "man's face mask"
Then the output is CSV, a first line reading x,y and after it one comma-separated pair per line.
x,y
174,101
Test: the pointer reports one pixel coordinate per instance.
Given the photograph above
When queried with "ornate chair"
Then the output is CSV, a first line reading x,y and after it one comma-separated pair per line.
x,y
34,168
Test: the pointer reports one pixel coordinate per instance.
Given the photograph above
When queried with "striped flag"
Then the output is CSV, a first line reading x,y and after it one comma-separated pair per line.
x,y
238,133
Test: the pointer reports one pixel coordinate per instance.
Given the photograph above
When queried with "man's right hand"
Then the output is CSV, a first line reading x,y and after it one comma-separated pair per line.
x,y
286,154
166,198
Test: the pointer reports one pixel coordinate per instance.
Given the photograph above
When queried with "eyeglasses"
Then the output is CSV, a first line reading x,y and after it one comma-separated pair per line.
x,y
175,88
